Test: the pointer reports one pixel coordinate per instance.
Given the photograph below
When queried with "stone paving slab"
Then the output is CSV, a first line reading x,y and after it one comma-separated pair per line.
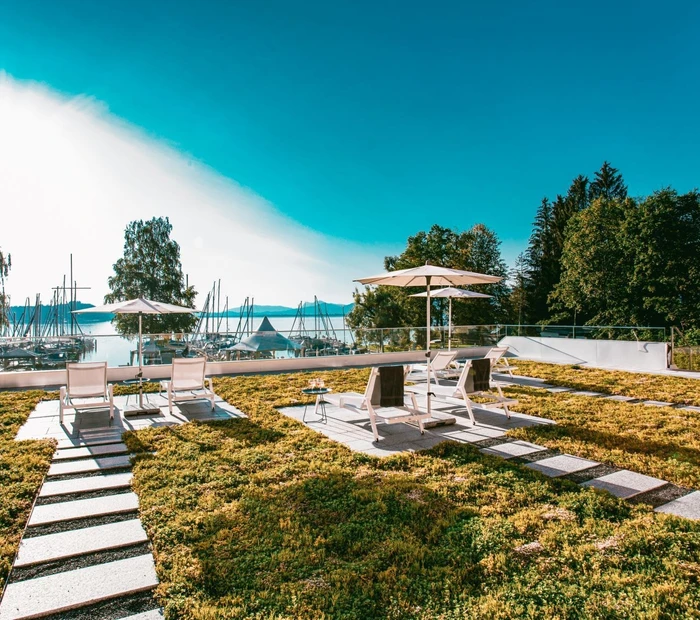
x,y
586,393
63,591
90,439
63,454
88,465
154,614
83,485
561,465
690,408
82,508
513,449
559,389
656,403
625,484
620,398
687,506
51,547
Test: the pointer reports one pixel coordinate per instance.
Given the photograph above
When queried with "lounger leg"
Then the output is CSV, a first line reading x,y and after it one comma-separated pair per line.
x,y
110,392
468,403
420,426
61,404
373,424
170,400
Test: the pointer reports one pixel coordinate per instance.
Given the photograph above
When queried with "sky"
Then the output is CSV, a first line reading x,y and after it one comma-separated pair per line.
x,y
295,144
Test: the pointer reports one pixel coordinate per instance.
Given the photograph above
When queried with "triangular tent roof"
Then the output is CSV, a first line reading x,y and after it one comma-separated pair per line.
x,y
266,338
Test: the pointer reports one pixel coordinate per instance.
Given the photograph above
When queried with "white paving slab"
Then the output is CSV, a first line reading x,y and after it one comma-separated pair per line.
x,y
81,508
690,408
154,614
625,484
586,393
82,485
561,465
512,449
63,454
559,389
90,439
76,588
656,403
620,398
88,465
687,506
63,545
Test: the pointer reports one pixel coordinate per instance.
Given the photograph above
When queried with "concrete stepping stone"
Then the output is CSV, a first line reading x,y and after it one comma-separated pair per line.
x,y
620,398
63,454
687,506
76,588
51,547
88,465
154,614
90,440
656,403
561,465
625,484
83,485
82,508
512,449
559,390
690,408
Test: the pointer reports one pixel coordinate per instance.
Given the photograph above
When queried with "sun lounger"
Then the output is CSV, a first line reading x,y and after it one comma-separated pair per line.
x,y
384,400
467,388
187,382
86,381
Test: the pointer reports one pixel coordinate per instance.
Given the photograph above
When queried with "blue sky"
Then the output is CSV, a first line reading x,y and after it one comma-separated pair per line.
x,y
373,120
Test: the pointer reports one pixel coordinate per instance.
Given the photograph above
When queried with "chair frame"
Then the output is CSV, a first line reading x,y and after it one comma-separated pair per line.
x,y
105,391
205,384
460,393
380,414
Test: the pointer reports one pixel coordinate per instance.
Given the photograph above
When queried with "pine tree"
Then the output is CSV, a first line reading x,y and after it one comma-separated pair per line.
x,y
540,265
608,184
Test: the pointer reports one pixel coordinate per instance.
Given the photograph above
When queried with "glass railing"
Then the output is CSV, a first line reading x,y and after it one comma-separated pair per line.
x,y
54,352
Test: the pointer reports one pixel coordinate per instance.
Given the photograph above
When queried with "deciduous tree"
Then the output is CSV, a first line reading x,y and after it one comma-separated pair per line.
x,y
151,268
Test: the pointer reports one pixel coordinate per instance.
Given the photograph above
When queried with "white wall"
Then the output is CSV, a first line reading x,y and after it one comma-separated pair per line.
x,y
602,353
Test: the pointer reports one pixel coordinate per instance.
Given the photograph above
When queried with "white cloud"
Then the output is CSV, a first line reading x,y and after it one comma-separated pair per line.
x,y
72,176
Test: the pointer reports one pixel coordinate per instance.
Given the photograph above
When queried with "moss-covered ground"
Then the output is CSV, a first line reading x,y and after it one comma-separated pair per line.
x,y
265,518
23,465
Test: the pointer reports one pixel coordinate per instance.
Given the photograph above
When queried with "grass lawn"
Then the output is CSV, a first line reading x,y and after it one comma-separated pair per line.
x,y
265,518
675,390
23,465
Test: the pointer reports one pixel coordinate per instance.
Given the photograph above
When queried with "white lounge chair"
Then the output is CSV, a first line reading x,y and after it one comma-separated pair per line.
x,y
464,389
499,363
187,381
86,381
442,365
371,403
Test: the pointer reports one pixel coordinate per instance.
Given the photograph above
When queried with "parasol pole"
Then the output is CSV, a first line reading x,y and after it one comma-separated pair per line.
x,y
140,362
449,327
427,339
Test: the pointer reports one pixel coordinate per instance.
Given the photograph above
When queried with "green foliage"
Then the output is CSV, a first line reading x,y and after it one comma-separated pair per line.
x,y
477,249
151,268
265,518
23,465
608,184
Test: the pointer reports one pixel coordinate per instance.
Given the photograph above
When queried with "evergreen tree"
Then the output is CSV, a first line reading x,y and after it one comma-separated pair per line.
x,y
666,244
151,268
540,265
608,184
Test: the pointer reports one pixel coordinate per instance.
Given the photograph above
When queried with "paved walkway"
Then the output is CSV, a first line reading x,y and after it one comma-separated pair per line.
x,y
84,554
489,435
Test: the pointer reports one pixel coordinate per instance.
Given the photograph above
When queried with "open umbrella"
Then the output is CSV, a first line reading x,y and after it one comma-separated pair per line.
x,y
451,292
139,306
429,275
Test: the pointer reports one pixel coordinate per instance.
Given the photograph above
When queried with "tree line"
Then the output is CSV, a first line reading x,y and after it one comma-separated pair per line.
x,y
596,256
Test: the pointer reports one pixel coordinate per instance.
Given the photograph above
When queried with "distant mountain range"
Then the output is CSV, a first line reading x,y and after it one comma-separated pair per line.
x,y
99,317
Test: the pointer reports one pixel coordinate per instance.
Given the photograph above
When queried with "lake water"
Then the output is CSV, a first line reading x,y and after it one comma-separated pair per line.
x,y
116,350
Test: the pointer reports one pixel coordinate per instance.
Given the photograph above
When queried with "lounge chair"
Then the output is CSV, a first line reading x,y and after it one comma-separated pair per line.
x,y
442,365
187,376
372,401
469,386
499,363
87,380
